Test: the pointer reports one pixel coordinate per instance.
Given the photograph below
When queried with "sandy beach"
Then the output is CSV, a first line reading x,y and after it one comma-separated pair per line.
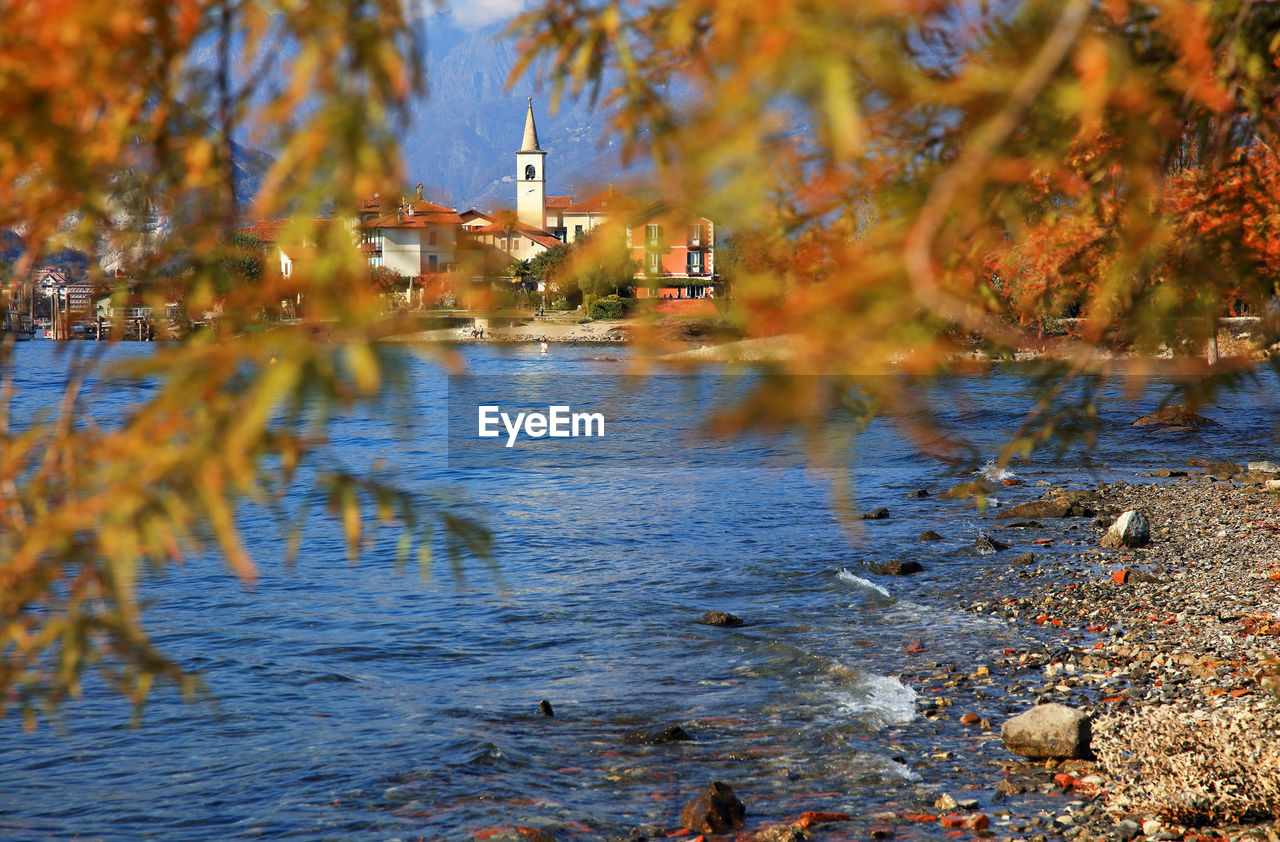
x,y
600,331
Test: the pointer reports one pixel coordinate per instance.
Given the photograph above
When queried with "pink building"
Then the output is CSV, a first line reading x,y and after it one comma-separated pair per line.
x,y
675,250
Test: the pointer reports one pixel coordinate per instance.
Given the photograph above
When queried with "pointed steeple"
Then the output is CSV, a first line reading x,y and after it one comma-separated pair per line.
x,y
530,132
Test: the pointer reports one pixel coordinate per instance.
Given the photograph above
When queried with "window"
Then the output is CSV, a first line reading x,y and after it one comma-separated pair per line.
x,y
431,237
530,173
433,263
653,233
652,262
577,231
694,263
695,235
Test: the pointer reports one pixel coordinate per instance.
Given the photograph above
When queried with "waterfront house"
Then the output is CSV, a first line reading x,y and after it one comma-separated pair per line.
x,y
675,250
417,238
608,205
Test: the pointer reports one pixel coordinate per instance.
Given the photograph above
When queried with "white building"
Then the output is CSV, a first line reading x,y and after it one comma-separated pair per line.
x,y
417,238
581,217
519,242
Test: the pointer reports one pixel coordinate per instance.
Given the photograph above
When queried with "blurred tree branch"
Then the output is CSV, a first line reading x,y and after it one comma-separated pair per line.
x,y
919,180
109,116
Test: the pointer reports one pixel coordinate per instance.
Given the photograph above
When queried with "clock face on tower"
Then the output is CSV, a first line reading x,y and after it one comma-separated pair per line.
x,y
530,190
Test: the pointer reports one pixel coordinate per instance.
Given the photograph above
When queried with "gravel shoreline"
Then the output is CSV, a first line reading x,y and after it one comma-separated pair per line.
x,y
1172,647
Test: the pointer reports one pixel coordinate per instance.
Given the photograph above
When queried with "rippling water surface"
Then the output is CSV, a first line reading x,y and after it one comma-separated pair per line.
x,y
354,702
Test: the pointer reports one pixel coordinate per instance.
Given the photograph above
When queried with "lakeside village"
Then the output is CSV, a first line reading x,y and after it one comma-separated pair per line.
x,y
427,257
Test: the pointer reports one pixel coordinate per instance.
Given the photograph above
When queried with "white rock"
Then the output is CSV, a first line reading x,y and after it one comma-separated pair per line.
x,y
1151,827
1131,529
1051,730
1263,468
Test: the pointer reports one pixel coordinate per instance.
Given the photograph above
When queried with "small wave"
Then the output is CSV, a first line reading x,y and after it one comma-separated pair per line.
x,y
994,473
878,700
982,547
855,579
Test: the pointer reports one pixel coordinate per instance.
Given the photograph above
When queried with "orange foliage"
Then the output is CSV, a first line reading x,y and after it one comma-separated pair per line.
x,y
913,173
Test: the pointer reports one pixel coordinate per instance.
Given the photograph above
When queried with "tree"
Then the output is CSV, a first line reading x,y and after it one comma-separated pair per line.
x,y
551,265
385,280
600,263
106,105
240,261
916,177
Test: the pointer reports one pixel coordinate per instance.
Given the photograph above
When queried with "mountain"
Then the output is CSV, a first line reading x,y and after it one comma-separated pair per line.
x,y
464,135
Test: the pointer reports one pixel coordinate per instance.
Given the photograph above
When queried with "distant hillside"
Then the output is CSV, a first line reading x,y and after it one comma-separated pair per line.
x,y
465,134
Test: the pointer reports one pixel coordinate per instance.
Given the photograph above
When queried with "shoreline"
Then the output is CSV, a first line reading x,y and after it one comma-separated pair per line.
x,y
600,331
1165,646
1237,341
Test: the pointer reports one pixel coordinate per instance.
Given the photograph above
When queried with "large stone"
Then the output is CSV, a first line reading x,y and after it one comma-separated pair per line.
x,y
1060,507
671,734
986,544
1174,415
715,810
1131,529
1215,467
899,568
876,514
930,535
1051,730
721,618
1264,468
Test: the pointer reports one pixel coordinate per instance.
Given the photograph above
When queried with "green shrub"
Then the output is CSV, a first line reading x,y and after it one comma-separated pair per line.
x,y
588,301
610,307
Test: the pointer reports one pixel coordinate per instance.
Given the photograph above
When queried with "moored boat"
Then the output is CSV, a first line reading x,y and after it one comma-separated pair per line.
x,y
18,325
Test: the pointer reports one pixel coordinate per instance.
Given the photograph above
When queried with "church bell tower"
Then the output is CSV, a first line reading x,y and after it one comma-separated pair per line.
x,y
531,192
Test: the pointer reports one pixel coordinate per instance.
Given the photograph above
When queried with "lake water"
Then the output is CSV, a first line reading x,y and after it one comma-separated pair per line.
x,y
360,702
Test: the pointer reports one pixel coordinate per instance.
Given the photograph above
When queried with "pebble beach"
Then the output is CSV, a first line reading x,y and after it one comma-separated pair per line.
x,y
1172,649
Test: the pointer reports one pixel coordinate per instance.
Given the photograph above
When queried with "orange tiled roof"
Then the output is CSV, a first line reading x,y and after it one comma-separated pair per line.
x,y
607,201
559,201
266,230
664,208
424,213
543,238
